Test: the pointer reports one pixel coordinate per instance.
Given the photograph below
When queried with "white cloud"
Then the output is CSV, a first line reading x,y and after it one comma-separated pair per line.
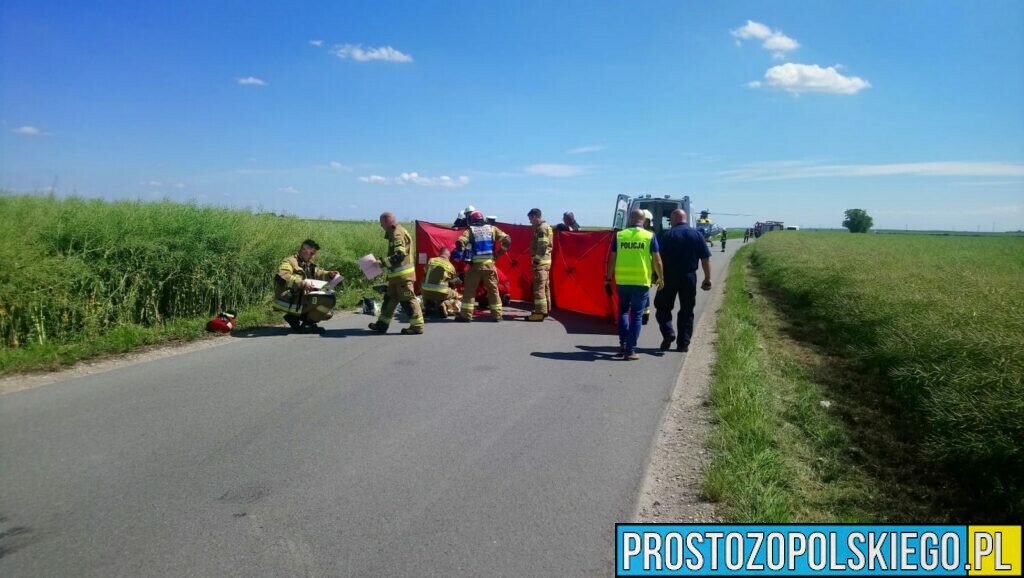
x,y
27,131
773,41
289,190
317,43
152,183
179,185
358,53
555,170
587,149
340,168
788,170
417,179
251,81
797,78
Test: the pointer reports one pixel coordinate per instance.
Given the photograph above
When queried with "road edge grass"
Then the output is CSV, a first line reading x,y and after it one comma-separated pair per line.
x,y
778,455
50,356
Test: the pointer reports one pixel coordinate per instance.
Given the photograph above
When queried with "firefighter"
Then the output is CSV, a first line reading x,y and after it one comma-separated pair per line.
x,y
437,291
401,279
540,249
481,244
292,282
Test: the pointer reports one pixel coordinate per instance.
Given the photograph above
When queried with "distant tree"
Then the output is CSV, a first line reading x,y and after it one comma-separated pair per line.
x,y
858,221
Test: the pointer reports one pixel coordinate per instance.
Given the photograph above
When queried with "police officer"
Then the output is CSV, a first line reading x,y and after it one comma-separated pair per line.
x,y
437,291
401,279
681,248
291,283
481,244
540,250
631,263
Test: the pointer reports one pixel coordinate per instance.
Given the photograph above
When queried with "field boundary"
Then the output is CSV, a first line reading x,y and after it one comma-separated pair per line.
x,y
672,488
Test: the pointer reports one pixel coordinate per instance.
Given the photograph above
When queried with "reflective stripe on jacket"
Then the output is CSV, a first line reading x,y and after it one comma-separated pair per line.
x,y
541,243
439,272
399,243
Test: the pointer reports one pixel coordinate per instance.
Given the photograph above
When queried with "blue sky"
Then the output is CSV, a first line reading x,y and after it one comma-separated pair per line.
x,y
781,110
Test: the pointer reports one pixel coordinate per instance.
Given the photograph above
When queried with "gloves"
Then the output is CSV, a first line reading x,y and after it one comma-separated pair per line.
x,y
396,259
608,288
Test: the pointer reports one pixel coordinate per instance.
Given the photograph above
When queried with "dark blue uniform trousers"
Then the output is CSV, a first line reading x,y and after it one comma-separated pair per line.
x,y
665,302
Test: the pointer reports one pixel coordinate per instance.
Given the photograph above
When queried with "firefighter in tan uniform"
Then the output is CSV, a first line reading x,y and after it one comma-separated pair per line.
x,y
481,244
437,291
291,285
540,250
401,279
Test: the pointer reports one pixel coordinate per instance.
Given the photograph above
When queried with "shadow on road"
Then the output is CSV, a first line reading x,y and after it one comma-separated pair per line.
x,y
265,331
579,324
349,332
592,353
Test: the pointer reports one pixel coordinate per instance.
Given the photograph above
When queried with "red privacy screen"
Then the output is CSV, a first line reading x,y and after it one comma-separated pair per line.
x,y
577,270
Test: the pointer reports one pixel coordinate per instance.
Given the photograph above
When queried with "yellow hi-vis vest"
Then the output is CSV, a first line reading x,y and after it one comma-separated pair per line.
x,y
633,257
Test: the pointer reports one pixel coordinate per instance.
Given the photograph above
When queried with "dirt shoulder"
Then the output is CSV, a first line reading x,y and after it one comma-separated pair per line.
x,y
671,490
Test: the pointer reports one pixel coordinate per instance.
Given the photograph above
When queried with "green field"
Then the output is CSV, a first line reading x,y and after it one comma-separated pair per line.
x,y
919,338
87,277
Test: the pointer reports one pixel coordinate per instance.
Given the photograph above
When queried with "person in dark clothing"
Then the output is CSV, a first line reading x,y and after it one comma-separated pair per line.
x,y
681,248
568,223
725,236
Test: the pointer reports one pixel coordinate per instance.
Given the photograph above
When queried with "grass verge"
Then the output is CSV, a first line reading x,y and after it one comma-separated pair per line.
x,y
52,355
801,435
777,451
85,277
855,380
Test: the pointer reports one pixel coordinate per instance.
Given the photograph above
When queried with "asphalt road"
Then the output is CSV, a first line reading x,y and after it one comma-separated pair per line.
x,y
487,449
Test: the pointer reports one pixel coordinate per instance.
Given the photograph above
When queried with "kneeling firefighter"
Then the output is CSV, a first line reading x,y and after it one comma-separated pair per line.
x,y
401,279
292,285
438,295
484,243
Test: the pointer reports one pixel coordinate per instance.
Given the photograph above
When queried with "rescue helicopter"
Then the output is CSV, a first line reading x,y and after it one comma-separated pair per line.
x,y
707,226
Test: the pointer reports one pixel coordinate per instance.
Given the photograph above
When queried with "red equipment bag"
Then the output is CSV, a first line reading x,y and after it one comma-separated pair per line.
x,y
223,323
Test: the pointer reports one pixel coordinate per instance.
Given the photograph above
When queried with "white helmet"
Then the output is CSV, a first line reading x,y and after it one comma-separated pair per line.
x,y
648,215
469,209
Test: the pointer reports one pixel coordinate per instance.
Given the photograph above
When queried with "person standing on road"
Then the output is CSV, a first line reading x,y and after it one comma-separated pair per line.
x,y
484,243
632,261
540,250
401,279
292,283
725,236
746,236
437,291
681,248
